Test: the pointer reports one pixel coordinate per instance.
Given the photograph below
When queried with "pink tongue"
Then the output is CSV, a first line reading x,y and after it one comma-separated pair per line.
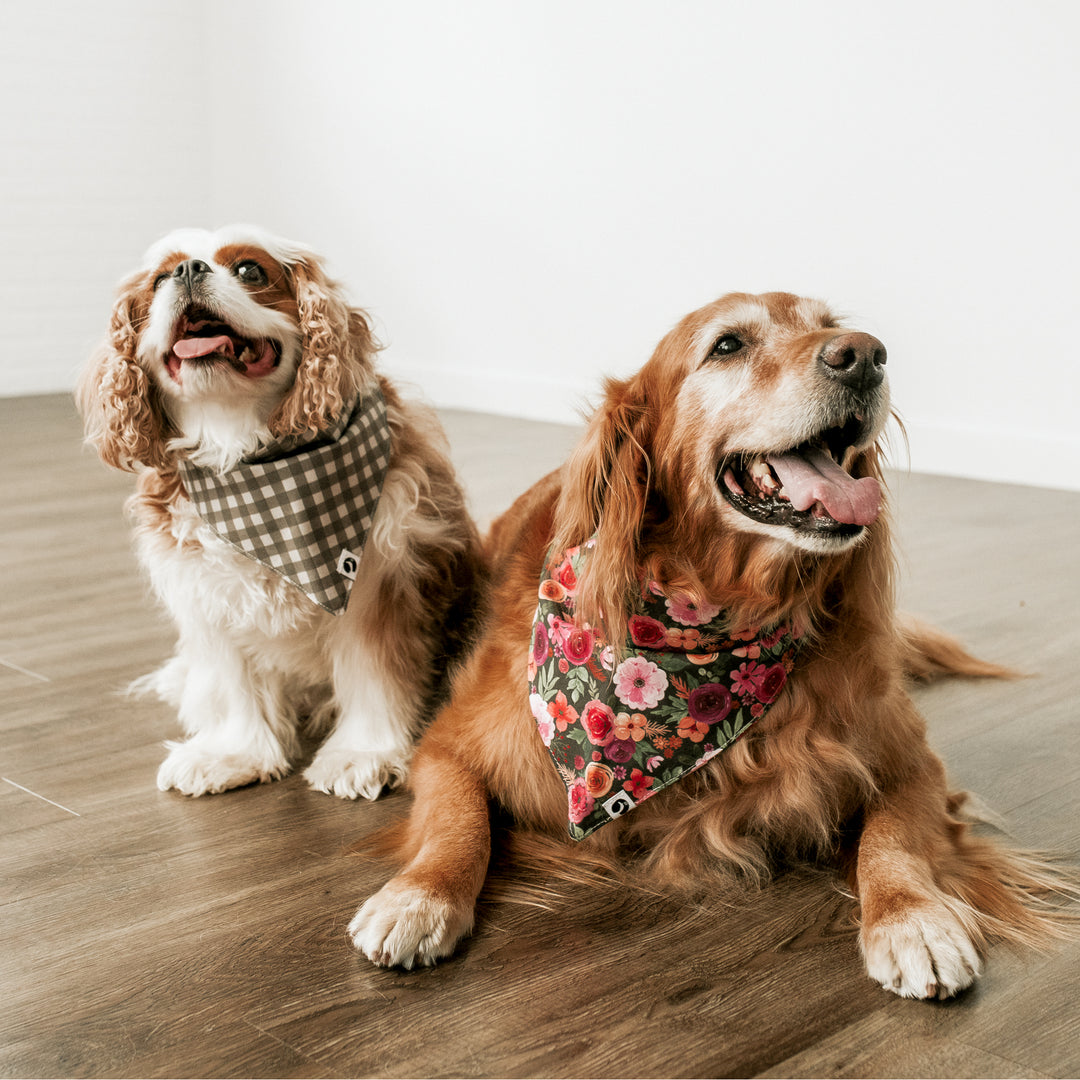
x,y
191,347
812,476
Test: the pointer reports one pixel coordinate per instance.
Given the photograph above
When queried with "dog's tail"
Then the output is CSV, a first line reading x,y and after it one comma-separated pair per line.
x,y
929,653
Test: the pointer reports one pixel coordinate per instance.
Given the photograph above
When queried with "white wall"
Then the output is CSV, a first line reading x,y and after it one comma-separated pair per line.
x,y
100,106
528,196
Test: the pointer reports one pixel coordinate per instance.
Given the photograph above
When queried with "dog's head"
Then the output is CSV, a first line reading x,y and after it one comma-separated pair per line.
x,y
220,343
746,448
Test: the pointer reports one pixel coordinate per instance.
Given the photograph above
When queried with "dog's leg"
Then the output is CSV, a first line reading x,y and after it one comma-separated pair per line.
x,y
915,937
420,915
371,743
236,721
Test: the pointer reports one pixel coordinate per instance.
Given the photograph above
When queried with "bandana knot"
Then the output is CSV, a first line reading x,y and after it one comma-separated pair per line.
x,y
303,507
684,689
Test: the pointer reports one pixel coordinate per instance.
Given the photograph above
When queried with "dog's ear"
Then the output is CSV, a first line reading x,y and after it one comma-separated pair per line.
x,y
604,496
336,357
119,404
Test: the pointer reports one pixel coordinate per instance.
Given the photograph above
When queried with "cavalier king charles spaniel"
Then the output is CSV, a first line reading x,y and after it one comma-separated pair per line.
x,y
695,618
300,521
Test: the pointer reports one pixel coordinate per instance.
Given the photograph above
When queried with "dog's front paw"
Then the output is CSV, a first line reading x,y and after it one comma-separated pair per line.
x,y
403,925
922,953
356,774
195,768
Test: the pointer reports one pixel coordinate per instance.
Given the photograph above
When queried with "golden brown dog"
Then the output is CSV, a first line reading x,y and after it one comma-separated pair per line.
x,y
737,475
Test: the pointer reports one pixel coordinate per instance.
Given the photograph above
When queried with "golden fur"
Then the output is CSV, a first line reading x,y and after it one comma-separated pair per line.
x,y
256,657
839,767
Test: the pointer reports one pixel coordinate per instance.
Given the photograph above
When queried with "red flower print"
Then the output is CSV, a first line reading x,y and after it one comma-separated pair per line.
x,y
562,712
581,802
771,683
638,785
540,649
564,665
565,576
577,644
645,632
579,763
620,750
709,703
598,720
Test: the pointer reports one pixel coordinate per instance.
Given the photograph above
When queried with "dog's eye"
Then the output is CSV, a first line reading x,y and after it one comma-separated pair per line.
x,y
727,345
159,279
250,272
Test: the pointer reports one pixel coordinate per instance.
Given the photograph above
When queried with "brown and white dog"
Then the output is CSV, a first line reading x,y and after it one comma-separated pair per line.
x,y
739,469
222,346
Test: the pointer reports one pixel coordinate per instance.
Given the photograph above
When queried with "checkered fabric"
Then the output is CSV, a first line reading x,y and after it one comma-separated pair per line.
x,y
304,510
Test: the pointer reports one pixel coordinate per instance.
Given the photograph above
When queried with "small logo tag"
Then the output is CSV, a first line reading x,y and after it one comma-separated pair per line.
x,y
618,804
347,564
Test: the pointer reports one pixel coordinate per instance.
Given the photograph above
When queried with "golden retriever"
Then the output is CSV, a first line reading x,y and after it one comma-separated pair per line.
x,y
736,478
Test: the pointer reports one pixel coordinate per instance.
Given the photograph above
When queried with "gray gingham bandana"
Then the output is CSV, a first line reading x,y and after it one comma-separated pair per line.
x,y
303,509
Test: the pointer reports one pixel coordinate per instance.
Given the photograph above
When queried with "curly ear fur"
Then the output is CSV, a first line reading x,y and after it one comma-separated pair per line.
x,y
605,493
336,357
117,399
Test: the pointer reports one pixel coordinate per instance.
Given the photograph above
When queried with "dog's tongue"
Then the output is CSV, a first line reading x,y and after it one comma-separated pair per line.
x,y
811,476
190,347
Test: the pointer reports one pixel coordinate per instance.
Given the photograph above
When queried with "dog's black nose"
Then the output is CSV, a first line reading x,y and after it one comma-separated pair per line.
x,y
191,270
856,360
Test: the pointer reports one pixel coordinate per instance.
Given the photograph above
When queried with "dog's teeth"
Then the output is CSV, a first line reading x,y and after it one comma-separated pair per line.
x,y
762,475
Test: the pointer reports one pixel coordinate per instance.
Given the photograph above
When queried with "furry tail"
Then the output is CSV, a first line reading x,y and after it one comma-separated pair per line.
x,y
930,653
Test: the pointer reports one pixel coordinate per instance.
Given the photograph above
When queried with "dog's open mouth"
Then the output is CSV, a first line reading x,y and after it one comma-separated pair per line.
x,y
200,337
803,488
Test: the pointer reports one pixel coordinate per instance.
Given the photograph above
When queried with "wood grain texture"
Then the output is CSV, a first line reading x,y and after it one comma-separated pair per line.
x,y
147,934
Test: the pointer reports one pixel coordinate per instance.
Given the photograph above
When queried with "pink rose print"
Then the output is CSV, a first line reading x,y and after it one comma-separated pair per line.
x,y
639,683
645,632
689,612
581,802
577,644
541,649
598,720
562,712
564,574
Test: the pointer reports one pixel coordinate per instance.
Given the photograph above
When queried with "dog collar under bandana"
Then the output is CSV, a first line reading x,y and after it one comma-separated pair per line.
x,y
683,691
303,509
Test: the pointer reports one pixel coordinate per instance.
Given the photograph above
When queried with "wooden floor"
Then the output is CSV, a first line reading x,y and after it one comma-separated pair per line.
x,y
147,934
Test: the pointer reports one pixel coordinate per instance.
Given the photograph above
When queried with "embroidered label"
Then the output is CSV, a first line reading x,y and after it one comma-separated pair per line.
x,y
347,564
684,688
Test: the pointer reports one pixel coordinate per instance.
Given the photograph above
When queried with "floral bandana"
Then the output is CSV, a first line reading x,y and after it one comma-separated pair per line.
x,y
685,689
303,508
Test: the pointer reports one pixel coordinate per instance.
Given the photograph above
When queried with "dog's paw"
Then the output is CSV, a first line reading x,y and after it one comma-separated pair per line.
x,y
196,769
356,774
403,925
925,953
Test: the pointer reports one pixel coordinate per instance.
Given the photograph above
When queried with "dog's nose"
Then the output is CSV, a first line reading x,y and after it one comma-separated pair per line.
x,y
190,270
856,360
